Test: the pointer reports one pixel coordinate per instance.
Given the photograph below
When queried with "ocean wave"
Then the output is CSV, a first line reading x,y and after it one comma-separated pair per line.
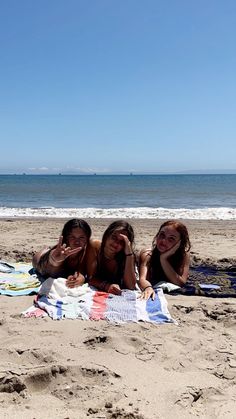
x,y
141,212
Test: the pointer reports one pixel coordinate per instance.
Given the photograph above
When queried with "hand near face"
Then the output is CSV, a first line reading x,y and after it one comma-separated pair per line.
x,y
127,244
114,289
61,252
171,251
75,280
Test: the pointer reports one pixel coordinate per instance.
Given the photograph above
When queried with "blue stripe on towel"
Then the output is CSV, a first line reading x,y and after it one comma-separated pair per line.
x,y
155,310
125,308
59,304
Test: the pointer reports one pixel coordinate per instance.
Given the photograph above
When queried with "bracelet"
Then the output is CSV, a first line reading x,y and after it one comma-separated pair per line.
x,y
129,254
149,286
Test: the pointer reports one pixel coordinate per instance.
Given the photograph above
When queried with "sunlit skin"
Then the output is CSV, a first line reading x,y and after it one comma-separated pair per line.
x,y
116,242
73,257
77,241
168,241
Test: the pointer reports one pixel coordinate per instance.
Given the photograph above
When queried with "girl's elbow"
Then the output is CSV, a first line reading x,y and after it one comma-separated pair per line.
x,y
130,284
133,286
182,281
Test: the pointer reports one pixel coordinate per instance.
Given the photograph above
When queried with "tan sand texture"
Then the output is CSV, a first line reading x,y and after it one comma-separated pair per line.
x,y
93,369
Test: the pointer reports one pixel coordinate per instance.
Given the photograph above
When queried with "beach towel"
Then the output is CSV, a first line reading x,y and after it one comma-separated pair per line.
x,y
18,279
6,267
87,303
210,282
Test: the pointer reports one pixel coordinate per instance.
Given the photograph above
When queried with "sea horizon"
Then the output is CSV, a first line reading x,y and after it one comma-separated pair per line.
x,y
128,173
182,196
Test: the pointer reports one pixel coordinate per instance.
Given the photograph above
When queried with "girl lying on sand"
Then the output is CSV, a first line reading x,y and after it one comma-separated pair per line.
x,y
108,265
74,256
168,260
116,260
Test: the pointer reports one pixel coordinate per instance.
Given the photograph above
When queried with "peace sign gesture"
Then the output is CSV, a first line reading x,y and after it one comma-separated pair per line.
x,y
61,251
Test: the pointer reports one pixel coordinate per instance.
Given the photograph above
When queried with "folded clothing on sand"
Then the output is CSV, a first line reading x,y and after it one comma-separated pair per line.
x,y
87,303
166,286
210,282
5,267
21,280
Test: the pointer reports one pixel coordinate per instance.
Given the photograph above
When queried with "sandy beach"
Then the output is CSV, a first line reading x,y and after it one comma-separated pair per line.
x,y
84,369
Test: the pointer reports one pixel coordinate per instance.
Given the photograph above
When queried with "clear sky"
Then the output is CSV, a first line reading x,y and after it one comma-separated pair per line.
x,y
117,85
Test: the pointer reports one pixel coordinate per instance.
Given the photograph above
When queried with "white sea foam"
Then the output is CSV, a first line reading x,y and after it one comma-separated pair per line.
x,y
141,212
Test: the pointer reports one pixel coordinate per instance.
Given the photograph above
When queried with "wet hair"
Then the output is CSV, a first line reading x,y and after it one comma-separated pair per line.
x,y
176,260
117,226
75,223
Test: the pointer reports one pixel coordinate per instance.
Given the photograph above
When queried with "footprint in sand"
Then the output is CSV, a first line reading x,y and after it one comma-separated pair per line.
x,y
96,341
122,414
10,384
193,396
224,313
43,378
88,384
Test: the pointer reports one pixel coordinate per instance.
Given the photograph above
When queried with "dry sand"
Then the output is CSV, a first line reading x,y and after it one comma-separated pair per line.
x,y
84,369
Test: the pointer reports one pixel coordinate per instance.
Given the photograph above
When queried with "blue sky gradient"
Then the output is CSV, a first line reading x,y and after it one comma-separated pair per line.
x,y
117,86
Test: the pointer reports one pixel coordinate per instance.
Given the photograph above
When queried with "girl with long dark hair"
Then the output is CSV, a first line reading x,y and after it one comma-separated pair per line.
x,y
116,259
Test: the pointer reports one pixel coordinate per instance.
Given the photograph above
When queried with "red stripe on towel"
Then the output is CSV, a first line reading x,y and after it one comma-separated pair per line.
x,y
99,305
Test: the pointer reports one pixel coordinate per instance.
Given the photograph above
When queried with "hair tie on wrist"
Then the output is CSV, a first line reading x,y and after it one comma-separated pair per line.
x,y
128,254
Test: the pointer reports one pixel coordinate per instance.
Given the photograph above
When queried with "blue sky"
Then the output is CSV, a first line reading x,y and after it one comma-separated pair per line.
x,y
117,86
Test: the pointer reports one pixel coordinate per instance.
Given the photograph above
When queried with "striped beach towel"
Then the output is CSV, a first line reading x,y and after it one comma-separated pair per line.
x,y
96,305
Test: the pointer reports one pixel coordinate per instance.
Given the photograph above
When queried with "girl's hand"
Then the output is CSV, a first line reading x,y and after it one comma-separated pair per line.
x,y
61,252
148,293
114,289
127,247
171,251
75,280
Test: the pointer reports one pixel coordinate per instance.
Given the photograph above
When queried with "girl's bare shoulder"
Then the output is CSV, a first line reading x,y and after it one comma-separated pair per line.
x,y
187,257
95,243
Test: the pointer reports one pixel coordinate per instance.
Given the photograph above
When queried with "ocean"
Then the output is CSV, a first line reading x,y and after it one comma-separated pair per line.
x,y
200,197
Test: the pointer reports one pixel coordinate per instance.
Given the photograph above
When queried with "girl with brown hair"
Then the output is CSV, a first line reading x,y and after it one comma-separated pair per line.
x,y
168,260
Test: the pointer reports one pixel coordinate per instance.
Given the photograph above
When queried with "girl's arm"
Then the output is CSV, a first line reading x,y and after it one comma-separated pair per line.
x,y
49,262
105,286
129,271
92,270
171,274
145,285
97,282
75,280
90,259
43,263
